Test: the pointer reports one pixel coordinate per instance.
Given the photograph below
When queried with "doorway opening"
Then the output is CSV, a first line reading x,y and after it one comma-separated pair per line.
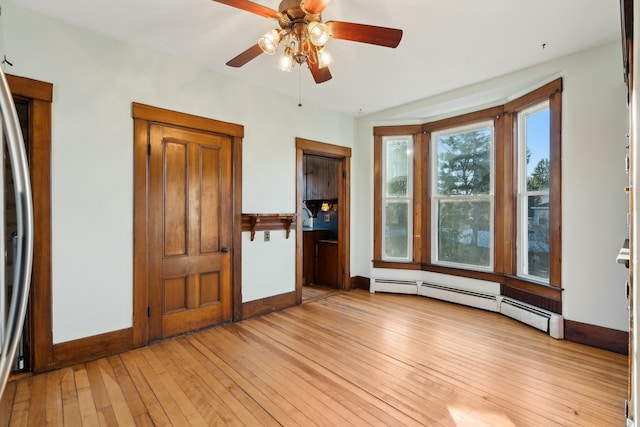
x,y
323,228
33,100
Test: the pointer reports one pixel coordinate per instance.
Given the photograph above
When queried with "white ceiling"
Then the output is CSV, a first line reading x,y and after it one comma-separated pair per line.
x,y
447,44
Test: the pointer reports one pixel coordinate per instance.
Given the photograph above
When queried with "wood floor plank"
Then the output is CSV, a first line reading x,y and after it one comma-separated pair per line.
x,y
243,406
21,403
132,361
6,404
350,358
263,358
153,376
70,405
86,403
236,358
117,398
211,409
38,401
262,393
133,399
53,411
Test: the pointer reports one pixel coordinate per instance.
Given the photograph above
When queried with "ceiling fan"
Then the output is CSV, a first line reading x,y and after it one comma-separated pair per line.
x,y
304,35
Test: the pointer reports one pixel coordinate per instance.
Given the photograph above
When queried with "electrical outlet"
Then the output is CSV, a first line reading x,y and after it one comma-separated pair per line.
x,y
327,218
267,236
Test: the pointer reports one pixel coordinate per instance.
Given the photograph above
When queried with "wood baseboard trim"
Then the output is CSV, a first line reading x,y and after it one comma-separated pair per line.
x,y
360,282
90,348
268,305
597,336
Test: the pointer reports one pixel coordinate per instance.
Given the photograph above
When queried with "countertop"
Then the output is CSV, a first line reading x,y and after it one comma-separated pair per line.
x,y
315,229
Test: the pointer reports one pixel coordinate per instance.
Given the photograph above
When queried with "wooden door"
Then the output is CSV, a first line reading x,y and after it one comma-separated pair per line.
x,y
190,223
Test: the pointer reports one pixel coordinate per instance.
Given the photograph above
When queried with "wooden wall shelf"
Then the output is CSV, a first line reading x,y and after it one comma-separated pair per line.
x,y
259,222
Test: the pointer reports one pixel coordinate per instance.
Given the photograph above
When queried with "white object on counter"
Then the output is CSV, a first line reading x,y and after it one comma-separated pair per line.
x,y
307,217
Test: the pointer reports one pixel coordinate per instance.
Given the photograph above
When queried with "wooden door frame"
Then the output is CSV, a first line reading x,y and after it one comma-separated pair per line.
x,y
343,154
143,116
39,96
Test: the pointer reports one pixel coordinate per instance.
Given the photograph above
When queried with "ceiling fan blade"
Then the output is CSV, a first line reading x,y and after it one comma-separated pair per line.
x,y
246,56
371,34
320,75
314,6
252,7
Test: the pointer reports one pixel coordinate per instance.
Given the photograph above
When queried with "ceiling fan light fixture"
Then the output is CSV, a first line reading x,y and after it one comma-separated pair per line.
x,y
318,33
269,42
324,57
286,63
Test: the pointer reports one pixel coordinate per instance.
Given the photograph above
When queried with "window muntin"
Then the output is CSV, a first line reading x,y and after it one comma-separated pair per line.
x,y
534,177
462,200
397,198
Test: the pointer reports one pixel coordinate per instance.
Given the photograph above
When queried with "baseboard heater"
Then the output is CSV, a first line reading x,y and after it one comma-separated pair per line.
x,y
546,321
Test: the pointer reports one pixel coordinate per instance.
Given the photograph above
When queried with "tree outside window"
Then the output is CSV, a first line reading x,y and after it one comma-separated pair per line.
x,y
463,195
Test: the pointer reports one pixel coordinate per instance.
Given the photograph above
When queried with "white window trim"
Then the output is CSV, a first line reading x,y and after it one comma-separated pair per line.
x,y
435,197
409,197
523,194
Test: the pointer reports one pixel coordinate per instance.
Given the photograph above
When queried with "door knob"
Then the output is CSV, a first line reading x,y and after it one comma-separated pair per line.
x,y
224,250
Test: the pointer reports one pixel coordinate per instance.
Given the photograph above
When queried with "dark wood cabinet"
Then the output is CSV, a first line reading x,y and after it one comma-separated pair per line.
x,y
309,254
327,263
321,178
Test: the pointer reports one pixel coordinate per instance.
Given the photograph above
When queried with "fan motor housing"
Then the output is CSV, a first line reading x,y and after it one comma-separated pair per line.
x,y
291,13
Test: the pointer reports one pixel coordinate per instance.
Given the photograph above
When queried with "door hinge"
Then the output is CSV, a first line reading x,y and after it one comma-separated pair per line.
x,y
148,149
344,174
343,271
148,311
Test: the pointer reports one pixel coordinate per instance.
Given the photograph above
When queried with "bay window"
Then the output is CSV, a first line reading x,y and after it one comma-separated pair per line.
x,y
476,195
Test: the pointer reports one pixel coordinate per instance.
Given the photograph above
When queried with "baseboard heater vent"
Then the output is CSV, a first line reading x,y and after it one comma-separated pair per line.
x,y
459,296
546,321
394,286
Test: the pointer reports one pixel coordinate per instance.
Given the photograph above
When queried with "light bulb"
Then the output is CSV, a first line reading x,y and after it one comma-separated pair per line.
x,y
318,33
324,57
269,42
286,63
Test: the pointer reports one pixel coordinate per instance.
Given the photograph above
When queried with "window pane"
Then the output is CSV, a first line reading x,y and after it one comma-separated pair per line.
x,y
396,167
396,229
464,232
537,238
464,162
538,143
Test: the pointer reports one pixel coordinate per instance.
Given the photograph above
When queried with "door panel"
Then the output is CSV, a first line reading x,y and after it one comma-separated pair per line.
x,y
190,221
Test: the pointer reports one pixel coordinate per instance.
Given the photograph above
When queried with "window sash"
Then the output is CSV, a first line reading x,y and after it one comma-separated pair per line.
x,y
437,198
526,248
391,227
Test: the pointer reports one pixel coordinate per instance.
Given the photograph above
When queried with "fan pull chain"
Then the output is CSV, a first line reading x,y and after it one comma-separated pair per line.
x,y
299,86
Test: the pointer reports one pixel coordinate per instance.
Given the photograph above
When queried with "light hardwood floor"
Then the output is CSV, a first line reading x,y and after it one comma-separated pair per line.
x,y
350,359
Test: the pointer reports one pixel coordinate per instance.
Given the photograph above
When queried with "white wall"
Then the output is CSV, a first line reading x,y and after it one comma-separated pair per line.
x,y
594,129
95,80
